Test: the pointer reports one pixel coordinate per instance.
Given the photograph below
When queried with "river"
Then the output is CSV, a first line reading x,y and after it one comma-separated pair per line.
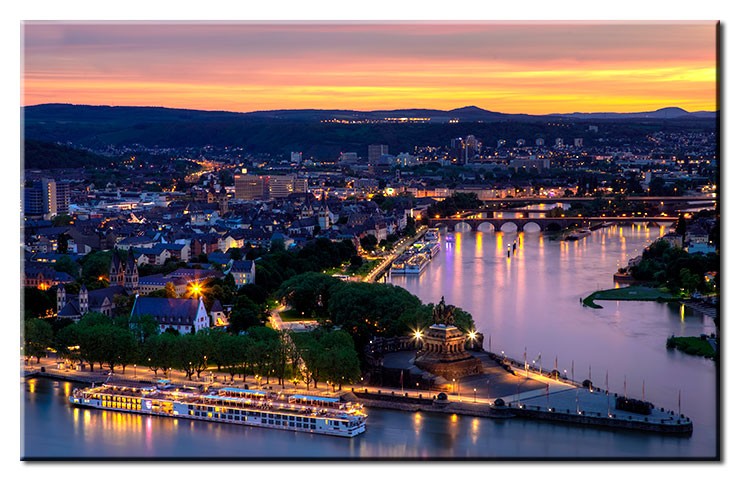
x,y
530,300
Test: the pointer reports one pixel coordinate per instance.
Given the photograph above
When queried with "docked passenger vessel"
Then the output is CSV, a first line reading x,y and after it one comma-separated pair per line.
x,y
311,414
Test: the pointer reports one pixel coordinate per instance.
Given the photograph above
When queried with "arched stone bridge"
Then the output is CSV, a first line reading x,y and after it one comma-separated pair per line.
x,y
549,224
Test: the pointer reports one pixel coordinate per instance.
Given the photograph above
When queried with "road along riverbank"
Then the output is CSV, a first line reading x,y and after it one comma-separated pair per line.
x,y
560,401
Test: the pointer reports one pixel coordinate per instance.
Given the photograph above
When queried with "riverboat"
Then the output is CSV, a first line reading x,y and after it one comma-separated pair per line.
x,y
432,235
291,412
432,248
413,265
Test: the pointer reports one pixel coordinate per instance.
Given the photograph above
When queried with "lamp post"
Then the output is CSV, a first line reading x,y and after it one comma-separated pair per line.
x,y
134,371
475,395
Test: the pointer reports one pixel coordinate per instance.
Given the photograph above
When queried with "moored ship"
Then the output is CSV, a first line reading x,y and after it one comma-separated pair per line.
x,y
292,412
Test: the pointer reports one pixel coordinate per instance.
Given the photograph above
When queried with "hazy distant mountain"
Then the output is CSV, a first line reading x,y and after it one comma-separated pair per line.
x,y
664,113
83,113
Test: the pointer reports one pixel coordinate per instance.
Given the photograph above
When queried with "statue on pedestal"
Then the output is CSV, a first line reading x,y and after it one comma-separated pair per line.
x,y
443,314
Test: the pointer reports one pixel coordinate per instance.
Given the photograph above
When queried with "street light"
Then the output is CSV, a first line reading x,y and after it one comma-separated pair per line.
x,y
475,395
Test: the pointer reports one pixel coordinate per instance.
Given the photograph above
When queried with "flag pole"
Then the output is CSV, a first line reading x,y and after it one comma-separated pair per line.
x,y
679,402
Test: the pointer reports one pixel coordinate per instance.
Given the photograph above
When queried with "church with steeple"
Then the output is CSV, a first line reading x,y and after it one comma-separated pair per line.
x,y
125,274
123,280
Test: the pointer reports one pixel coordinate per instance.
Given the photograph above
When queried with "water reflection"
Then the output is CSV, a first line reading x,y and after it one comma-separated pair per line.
x,y
532,299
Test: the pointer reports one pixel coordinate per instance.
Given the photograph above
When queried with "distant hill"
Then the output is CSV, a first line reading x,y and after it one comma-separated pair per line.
x,y
664,113
47,155
282,131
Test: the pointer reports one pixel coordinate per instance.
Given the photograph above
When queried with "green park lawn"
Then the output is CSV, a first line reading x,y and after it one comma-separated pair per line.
x,y
632,293
291,315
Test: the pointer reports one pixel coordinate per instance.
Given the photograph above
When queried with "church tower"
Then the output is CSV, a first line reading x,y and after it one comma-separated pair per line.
x,y
61,297
223,201
116,273
131,274
84,300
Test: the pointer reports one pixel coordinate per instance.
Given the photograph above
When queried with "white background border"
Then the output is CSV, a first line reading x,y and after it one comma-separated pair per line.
x,y
349,10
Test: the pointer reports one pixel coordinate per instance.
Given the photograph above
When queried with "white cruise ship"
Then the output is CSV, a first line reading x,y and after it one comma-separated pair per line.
x,y
292,412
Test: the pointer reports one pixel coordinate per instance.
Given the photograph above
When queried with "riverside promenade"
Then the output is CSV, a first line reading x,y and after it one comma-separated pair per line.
x,y
501,391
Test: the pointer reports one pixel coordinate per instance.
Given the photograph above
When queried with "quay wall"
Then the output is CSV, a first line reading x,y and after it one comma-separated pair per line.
x,y
412,403
605,422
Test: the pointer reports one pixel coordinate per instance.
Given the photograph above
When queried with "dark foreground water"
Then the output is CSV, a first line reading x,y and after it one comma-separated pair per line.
x,y
527,301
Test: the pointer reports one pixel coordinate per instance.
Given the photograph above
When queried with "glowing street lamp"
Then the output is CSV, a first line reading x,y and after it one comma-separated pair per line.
x,y
473,336
196,289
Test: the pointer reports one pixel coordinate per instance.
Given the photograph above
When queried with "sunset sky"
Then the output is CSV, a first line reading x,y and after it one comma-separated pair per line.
x,y
514,67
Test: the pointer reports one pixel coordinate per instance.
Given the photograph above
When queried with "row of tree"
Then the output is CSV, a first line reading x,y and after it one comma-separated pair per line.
x,y
319,356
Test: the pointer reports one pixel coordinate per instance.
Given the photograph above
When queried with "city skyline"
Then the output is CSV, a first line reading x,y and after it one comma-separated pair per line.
x,y
511,67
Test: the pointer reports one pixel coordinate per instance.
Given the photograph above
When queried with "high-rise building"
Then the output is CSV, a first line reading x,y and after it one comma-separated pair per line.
x,y
539,142
458,149
348,158
40,199
296,157
473,147
280,185
374,152
63,197
558,143
300,186
250,187
578,142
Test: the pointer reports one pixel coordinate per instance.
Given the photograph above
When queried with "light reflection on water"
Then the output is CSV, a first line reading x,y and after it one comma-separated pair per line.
x,y
532,299
537,307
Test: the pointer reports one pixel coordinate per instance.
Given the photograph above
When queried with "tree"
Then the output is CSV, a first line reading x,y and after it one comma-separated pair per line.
x,y
410,228
266,355
309,292
61,220
681,225
63,243
245,314
310,350
340,358
66,264
187,354
67,342
158,352
366,310
38,336
37,302
689,281
96,264
143,327
369,242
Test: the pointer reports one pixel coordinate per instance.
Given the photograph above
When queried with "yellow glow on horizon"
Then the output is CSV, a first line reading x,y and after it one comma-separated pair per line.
x,y
534,92
511,67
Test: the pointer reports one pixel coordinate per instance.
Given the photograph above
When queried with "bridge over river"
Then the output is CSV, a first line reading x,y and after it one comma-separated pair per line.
x,y
549,224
